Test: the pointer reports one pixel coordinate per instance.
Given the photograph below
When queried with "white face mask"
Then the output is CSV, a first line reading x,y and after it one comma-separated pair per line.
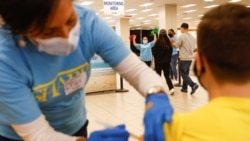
x,y
145,41
61,46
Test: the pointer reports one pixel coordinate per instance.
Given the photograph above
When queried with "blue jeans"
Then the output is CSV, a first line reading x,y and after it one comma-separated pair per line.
x,y
184,71
173,64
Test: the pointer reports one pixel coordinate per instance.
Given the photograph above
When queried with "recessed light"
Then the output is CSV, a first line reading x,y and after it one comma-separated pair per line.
x,y
208,0
146,4
189,11
189,5
146,10
130,10
188,18
140,18
234,0
152,15
211,6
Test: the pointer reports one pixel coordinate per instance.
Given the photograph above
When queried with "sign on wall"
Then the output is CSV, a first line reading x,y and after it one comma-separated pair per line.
x,y
113,7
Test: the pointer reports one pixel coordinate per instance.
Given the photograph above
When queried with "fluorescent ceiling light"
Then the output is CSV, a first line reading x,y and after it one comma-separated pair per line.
x,y
234,0
189,11
248,6
146,4
140,18
146,10
152,15
208,0
130,10
188,18
87,3
200,15
189,5
211,6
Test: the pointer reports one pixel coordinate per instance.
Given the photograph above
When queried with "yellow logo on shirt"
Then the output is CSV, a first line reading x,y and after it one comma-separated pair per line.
x,y
54,87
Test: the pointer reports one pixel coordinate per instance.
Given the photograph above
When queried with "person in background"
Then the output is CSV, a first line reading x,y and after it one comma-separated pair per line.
x,y
175,55
42,96
145,49
186,44
162,52
227,80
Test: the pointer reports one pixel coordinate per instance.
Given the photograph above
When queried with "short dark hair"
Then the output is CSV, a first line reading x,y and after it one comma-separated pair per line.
x,y
223,39
184,25
19,15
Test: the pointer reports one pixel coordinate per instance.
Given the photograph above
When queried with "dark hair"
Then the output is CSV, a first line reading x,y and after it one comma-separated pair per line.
x,y
223,39
19,15
163,41
184,25
172,30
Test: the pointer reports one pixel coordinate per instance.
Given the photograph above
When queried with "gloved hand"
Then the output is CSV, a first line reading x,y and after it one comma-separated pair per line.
x,y
158,111
118,133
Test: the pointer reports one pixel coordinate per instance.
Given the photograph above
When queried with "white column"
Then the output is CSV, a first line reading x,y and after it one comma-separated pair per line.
x,y
168,17
122,29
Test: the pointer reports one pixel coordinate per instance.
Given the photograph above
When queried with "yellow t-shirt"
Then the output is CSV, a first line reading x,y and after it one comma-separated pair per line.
x,y
223,119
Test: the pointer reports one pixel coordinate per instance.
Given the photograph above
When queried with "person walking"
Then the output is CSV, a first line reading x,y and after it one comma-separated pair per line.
x,y
186,44
162,52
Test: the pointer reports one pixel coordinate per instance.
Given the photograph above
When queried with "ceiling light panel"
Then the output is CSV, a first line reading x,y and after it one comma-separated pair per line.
x,y
146,4
130,10
211,6
146,10
189,5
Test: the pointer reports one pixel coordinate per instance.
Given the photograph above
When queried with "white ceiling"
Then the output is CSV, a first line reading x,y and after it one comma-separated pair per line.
x,y
150,21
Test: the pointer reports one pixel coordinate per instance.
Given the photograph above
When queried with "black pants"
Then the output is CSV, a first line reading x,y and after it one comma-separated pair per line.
x,y
165,67
80,133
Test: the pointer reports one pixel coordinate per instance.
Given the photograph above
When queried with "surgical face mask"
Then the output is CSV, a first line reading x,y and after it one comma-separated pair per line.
x,y
145,41
170,35
60,46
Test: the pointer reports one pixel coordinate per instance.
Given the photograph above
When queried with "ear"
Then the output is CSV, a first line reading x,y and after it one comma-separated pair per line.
x,y
199,63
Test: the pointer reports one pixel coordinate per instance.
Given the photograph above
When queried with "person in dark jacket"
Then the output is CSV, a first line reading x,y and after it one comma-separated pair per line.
x,y
162,52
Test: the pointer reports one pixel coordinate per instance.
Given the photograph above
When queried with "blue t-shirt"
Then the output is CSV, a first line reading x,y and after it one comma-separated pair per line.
x,y
34,83
175,51
145,51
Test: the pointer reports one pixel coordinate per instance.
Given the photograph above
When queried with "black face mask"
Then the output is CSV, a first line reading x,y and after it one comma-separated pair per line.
x,y
199,76
170,35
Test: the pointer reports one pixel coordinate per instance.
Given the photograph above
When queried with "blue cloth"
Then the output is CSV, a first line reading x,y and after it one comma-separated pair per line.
x,y
33,83
145,51
158,111
175,51
118,133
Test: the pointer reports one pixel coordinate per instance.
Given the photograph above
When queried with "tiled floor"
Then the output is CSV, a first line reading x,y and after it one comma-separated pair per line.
x,y
110,109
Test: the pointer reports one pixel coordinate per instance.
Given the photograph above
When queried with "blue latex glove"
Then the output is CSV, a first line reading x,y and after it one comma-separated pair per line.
x,y
118,133
158,111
